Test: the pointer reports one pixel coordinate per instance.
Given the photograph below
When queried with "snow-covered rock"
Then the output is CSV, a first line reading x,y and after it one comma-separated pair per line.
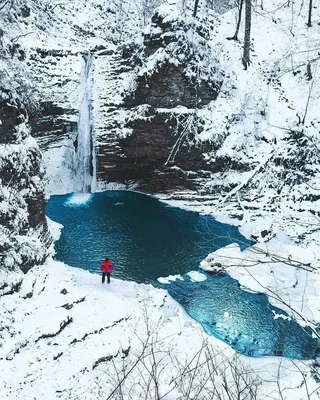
x,y
24,236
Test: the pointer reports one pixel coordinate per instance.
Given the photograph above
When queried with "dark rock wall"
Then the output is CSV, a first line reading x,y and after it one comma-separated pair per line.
x,y
161,112
12,114
51,124
153,149
169,87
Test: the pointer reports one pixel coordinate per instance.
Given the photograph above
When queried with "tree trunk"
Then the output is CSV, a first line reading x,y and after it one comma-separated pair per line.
x,y
247,35
195,8
309,14
235,36
309,72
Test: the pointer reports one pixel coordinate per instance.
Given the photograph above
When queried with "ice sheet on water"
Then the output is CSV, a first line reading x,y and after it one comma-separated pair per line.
x,y
170,278
197,276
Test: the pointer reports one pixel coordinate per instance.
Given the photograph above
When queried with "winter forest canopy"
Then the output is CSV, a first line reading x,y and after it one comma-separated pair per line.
x,y
208,105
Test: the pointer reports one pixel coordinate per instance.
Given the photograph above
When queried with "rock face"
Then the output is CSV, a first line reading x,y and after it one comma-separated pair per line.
x,y
146,99
24,237
55,124
157,141
155,153
168,88
167,116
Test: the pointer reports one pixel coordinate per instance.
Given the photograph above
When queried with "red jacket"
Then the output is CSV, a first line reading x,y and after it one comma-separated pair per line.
x,y
106,266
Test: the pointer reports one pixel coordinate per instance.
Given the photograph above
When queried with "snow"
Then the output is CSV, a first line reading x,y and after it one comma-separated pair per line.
x,y
255,122
279,268
54,228
36,356
252,122
97,322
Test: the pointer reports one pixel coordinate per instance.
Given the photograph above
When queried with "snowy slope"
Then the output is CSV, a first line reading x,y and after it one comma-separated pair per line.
x,y
268,156
81,340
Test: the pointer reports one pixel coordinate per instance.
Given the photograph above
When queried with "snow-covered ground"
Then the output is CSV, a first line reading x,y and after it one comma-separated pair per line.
x,y
82,344
73,345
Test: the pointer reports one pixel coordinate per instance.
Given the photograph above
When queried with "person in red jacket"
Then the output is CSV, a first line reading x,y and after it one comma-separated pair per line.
x,y
106,267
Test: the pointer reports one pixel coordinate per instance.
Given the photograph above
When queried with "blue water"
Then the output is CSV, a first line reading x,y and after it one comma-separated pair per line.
x,y
243,320
147,239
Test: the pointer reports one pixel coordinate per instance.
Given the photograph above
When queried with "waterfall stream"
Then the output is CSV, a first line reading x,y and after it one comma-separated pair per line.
x,y
84,160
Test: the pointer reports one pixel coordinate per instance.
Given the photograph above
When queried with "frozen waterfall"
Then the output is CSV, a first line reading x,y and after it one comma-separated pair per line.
x,y
84,158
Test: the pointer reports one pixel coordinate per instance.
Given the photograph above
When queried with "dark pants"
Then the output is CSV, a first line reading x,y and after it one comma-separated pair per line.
x,y
104,276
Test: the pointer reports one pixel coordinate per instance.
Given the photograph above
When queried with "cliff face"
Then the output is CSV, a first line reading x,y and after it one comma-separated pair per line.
x,y
54,125
24,237
174,112
145,121
152,135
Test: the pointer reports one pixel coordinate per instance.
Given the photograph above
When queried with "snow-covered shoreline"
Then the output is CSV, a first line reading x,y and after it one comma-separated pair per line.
x,y
64,346
287,272
52,344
